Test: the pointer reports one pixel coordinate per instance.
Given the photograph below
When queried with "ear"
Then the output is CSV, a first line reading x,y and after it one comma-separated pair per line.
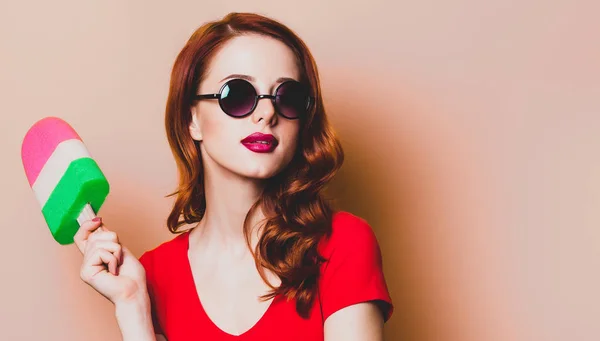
x,y
195,126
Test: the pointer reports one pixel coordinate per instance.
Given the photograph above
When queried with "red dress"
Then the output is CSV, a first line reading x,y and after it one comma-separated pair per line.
x,y
352,274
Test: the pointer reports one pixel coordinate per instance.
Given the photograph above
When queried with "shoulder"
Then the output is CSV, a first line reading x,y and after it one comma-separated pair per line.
x,y
156,257
344,224
349,232
352,271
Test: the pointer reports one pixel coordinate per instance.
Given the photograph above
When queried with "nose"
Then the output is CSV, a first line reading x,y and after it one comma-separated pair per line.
x,y
265,110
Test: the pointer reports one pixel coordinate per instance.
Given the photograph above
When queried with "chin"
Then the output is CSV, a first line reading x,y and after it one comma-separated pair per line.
x,y
259,171
260,175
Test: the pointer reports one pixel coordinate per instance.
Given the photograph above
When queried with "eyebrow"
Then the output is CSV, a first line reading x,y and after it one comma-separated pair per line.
x,y
252,79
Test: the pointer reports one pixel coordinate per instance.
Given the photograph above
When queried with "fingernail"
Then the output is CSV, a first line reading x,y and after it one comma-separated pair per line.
x,y
97,219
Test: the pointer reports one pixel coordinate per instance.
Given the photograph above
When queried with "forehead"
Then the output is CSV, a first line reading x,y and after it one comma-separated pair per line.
x,y
261,57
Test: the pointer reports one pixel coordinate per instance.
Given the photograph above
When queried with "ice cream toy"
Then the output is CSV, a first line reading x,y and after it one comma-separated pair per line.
x,y
67,182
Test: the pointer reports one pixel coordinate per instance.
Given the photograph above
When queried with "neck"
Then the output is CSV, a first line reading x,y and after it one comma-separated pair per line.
x,y
229,197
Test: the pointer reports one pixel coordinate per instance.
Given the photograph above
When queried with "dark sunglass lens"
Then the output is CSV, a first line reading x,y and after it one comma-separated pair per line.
x,y
292,99
237,97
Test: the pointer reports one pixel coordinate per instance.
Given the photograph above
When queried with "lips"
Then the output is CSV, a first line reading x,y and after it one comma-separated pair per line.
x,y
260,143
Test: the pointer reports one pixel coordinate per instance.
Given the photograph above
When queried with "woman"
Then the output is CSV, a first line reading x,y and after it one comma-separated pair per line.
x,y
266,257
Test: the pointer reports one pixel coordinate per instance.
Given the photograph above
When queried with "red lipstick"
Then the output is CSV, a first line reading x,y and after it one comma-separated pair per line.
x,y
260,143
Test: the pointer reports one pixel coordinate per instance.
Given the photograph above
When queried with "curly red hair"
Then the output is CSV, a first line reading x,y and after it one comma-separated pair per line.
x,y
297,214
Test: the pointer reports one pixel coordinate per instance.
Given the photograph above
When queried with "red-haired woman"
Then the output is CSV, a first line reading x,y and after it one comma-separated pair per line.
x,y
266,257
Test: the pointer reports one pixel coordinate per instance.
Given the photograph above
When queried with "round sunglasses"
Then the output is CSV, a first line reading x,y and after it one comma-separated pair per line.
x,y
238,98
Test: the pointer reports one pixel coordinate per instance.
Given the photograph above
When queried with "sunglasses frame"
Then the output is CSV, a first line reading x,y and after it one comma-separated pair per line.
x,y
257,97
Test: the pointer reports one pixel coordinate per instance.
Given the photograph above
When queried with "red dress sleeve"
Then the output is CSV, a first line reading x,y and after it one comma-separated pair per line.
x,y
353,271
147,261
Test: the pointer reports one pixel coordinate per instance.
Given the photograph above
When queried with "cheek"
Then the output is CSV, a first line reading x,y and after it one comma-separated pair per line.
x,y
291,141
221,138
215,128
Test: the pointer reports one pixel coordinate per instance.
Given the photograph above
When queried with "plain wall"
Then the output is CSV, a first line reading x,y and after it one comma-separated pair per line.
x,y
472,133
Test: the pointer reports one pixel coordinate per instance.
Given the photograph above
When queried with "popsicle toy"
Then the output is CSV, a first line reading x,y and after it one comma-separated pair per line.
x,y
67,182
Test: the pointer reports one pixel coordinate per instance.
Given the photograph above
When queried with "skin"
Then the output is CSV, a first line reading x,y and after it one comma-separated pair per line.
x,y
234,177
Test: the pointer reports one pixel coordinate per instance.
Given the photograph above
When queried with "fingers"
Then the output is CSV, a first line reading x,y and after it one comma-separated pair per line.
x,y
94,264
113,247
102,238
84,232
93,236
102,233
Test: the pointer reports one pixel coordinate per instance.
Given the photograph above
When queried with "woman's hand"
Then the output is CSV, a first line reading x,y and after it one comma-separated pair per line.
x,y
108,267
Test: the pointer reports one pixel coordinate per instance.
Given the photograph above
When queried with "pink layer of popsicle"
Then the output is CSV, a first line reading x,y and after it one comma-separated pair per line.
x,y
40,141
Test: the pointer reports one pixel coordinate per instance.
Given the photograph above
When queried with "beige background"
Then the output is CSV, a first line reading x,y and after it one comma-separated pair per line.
x,y
471,130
